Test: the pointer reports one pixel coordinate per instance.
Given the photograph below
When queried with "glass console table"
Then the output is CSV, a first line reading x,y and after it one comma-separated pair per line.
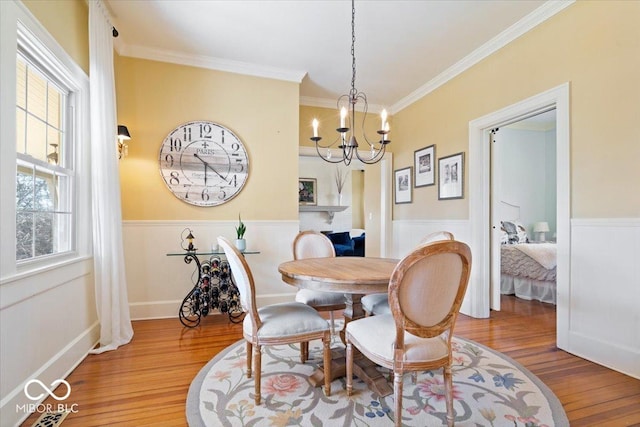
x,y
213,290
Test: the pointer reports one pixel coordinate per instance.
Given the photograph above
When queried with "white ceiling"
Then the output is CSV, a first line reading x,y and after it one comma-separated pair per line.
x,y
401,47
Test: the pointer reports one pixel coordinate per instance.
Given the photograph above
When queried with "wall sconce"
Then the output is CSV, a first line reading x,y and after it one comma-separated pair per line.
x,y
123,135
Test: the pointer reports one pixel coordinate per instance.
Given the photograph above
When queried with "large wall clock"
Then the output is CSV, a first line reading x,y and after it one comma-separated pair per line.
x,y
203,163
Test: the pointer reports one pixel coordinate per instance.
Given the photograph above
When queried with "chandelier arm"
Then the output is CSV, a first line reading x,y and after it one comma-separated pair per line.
x,y
347,155
329,146
338,160
362,96
375,159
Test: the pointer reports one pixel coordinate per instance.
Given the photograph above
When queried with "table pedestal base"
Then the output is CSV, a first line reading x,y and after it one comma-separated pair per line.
x,y
363,368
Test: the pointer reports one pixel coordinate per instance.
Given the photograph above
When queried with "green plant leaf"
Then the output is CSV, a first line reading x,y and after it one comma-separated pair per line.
x,y
240,229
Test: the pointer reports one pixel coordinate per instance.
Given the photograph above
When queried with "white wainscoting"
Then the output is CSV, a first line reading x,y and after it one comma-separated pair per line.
x,y
49,323
157,283
604,295
604,289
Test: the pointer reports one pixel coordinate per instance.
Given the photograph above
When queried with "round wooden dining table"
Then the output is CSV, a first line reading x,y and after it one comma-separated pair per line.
x,y
354,277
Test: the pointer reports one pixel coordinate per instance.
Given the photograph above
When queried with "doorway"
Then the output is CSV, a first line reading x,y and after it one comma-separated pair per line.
x,y
523,193
478,300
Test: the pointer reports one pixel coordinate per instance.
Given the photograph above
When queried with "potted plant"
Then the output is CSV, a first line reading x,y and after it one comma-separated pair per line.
x,y
241,243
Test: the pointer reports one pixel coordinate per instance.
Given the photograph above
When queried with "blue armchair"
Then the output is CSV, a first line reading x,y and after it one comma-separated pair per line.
x,y
345,245
358,245
342,243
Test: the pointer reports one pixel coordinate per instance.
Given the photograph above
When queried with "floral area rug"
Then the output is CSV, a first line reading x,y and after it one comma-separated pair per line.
x,y
489,390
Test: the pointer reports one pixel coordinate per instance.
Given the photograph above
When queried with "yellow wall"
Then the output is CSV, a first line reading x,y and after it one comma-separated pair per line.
x,y
329,120
155,97
68,23
595,46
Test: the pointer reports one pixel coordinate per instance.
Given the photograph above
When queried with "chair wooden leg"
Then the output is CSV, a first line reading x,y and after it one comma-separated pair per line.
x,y
332,323
448,391
349,363
327,363
257,358
304,351
249,358
397,395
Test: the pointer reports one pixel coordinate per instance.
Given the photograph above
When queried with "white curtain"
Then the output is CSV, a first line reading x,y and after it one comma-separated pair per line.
x,y
109,269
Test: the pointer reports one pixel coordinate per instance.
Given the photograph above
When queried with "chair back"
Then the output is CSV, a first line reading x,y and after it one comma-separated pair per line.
x,y
243,279
427,287
311,244
436,236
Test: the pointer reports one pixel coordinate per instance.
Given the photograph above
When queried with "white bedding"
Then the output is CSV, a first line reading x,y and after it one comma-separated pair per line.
x,y
543,253
529,271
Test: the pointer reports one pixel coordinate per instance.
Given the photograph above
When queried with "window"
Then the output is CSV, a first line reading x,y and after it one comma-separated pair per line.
x,y
44,170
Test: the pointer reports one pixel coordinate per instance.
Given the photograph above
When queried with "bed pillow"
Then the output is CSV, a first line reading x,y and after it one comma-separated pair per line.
x,y
515,231
504,236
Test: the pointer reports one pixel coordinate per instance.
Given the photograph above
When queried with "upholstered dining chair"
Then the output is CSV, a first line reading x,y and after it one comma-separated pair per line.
x,y
311,244
276,324
379,303
425,293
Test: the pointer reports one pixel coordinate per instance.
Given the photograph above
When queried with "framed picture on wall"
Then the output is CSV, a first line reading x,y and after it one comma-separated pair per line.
x,y
451,177
307,191
424,166
402,185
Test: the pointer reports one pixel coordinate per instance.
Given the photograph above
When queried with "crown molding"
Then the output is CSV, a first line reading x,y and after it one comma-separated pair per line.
x,y
317,102
218,64
332,103
535,18
521,27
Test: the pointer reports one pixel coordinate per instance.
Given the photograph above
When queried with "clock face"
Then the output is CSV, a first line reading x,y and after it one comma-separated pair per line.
x,y
203,163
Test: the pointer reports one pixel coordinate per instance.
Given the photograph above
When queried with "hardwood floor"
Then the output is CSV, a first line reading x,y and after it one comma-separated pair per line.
x,y
146,382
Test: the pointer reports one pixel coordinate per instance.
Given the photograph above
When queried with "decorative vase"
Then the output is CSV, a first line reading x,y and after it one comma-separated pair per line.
x,y
339,199
241,244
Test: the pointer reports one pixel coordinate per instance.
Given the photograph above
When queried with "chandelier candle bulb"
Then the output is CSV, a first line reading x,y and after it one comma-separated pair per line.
x,y
383,115
343,116
315,128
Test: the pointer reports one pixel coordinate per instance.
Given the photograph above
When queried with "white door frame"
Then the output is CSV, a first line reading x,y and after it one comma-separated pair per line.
x,y
479,302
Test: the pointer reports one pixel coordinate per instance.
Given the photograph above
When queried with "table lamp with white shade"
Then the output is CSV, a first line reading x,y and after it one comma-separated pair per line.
x,y
541,228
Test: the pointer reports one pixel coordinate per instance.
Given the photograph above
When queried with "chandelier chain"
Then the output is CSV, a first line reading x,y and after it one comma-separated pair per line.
x,y
346,141
353,50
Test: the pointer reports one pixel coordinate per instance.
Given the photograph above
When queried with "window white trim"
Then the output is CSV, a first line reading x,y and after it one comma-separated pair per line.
x,y
18,27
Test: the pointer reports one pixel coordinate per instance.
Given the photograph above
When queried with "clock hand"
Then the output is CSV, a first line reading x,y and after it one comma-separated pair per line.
x,y
217,173
205,174
207,165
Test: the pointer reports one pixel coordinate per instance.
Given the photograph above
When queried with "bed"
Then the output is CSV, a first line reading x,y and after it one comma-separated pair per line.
x,y
528,270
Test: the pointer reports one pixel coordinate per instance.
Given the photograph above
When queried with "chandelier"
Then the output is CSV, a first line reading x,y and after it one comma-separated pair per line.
x,y
346,141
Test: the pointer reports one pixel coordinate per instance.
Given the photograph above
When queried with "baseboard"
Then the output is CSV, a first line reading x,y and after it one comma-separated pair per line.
x,y
169,309
154,310
15,406
619,358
